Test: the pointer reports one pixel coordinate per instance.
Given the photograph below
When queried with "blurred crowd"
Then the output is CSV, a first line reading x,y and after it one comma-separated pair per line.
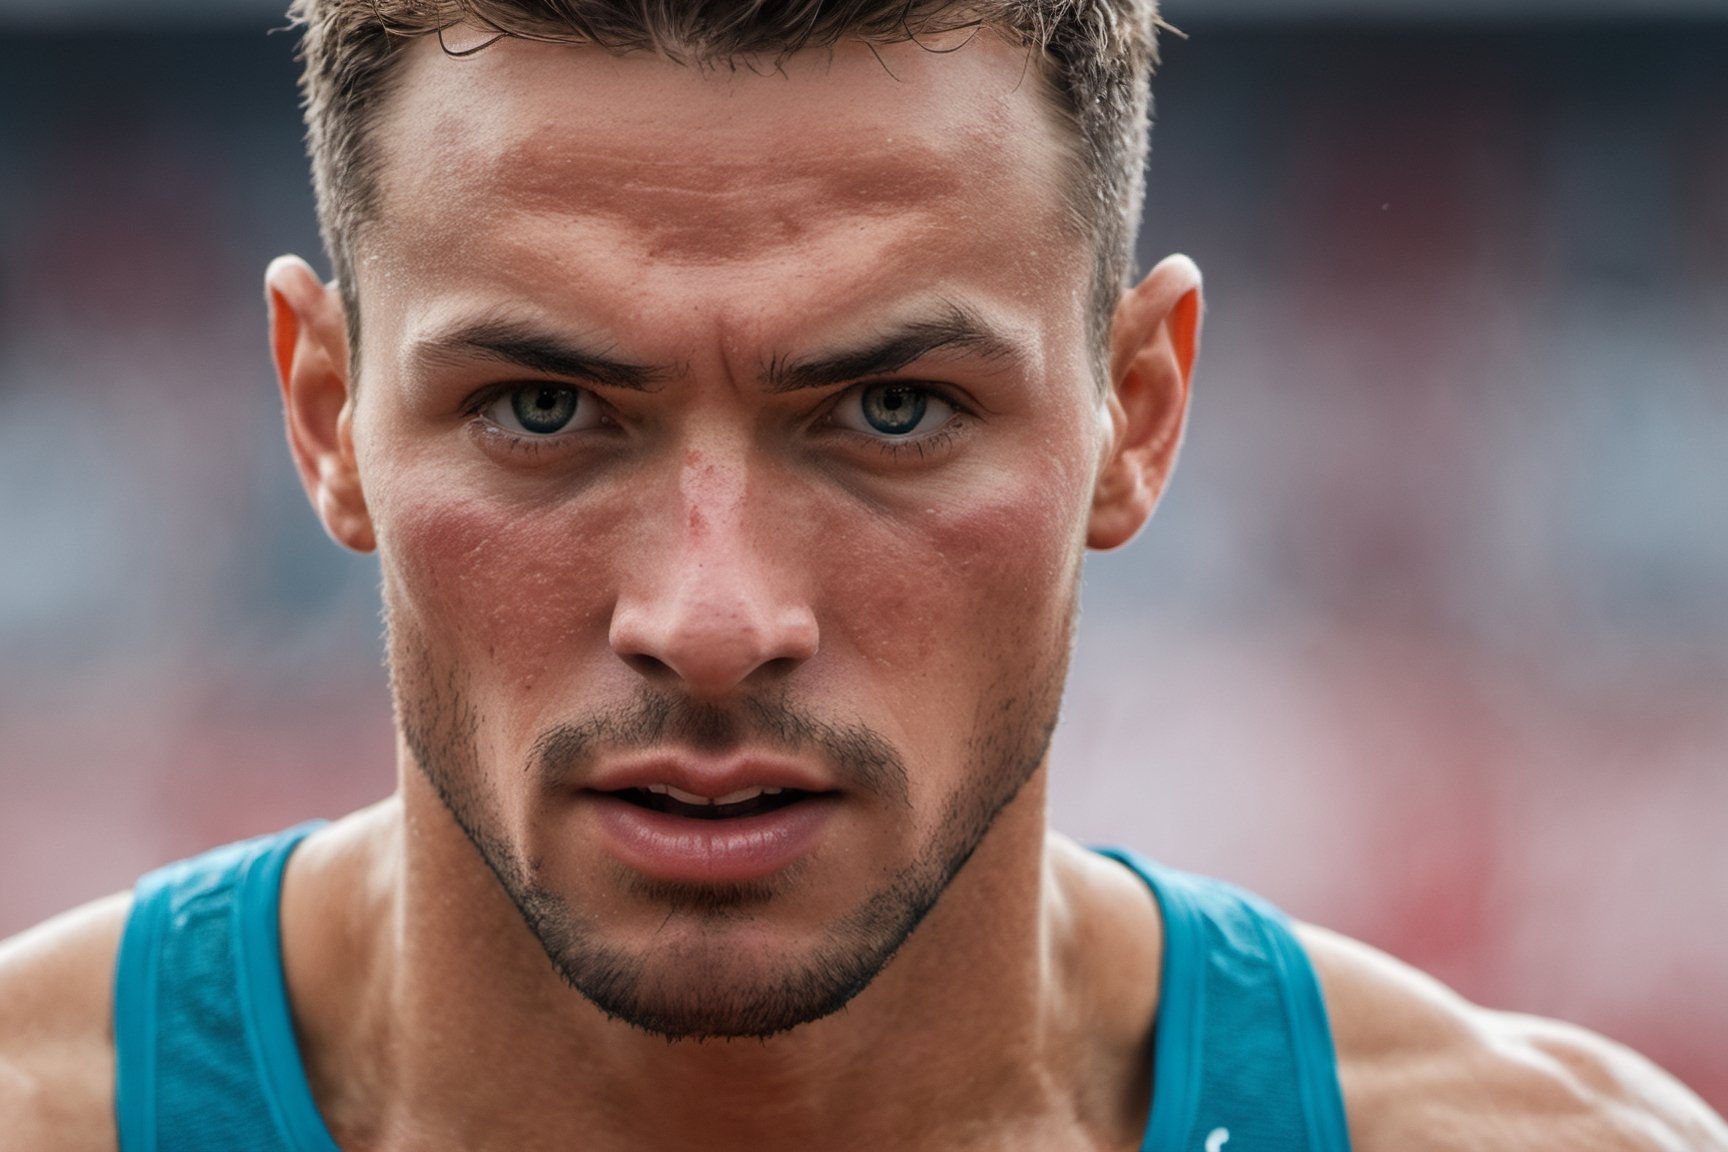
x,y
1429,643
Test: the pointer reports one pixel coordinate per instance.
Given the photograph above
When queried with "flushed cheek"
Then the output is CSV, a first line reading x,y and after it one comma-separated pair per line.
x,y
511,598
944,601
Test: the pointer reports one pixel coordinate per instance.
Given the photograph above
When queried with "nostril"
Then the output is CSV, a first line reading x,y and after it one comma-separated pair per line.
x,y
648,667
710,636
781,665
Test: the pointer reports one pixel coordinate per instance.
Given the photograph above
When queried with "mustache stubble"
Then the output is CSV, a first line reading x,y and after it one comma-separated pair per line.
x,y
862,760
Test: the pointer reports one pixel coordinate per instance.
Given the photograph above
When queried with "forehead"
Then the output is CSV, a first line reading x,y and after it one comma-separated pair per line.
x,y
566,149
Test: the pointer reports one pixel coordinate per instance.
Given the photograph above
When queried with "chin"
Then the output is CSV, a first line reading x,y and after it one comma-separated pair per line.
x,y
724,972
726,961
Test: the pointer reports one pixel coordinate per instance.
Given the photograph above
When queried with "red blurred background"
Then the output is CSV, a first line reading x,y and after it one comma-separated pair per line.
x,y
1429,643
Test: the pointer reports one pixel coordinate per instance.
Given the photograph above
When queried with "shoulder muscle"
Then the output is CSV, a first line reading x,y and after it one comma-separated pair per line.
x,y
56,1032
1425,1071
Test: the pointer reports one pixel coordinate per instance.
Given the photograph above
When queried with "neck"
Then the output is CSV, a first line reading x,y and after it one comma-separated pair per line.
x,y
982,1025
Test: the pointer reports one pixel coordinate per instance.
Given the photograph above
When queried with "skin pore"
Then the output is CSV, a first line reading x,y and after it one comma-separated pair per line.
x,y
703,285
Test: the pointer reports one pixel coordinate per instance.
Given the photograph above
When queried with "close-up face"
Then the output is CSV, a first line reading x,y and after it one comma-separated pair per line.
x,y
728,437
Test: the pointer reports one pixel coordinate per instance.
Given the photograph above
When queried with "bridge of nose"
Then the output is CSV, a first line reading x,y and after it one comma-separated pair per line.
x,y
720,598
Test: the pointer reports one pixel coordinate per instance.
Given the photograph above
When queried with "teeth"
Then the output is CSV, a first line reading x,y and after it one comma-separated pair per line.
x,y
737,797
741,795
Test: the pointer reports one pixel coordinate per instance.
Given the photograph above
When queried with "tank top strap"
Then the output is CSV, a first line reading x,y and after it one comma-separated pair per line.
x,y
206,1059
1242,1049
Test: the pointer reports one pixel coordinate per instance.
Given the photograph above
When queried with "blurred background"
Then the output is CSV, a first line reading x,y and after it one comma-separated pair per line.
x,y
1429,642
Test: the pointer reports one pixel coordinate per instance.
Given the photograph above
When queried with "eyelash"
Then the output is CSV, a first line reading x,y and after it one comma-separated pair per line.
x,y
930,444
532,448
924,446
937,441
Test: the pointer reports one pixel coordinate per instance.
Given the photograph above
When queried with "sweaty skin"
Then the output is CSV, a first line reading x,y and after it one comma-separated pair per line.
x,y
684,251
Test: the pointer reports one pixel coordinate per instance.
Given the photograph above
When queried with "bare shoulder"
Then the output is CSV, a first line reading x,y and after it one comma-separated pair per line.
x,y
56,1032
1423,1070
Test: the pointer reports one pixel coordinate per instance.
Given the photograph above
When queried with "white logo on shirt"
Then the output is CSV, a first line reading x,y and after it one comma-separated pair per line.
x,y
1217,1139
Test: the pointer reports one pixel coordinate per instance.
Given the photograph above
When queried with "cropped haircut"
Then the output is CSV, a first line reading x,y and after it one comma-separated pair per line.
x,y
1096,56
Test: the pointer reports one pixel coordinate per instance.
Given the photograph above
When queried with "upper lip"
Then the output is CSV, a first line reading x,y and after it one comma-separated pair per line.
x,y
709,778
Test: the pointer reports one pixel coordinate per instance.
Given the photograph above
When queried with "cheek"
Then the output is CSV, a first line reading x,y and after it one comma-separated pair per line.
x,y
950,600
505,595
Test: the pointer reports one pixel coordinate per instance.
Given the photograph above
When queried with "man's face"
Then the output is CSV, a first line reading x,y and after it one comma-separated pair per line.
x,y
726,433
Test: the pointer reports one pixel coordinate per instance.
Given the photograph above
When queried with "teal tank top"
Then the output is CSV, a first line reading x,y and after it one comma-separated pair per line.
x,y
206,1059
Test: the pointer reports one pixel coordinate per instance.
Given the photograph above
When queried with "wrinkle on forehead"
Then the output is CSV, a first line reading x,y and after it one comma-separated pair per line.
x,y
683,160
718,209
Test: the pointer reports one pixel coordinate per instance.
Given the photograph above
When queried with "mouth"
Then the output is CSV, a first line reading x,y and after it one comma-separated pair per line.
x,y
745,802
712,827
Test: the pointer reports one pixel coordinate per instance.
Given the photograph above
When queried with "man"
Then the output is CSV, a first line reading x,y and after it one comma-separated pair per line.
x,y
730,392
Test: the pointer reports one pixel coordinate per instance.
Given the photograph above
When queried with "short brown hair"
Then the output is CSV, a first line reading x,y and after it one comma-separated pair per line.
x,y
1098,57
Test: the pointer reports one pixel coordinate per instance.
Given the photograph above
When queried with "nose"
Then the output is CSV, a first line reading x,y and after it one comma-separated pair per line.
x,y
717,608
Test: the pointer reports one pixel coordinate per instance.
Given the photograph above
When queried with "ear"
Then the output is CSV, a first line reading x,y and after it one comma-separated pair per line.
x,y
309,345
1154,341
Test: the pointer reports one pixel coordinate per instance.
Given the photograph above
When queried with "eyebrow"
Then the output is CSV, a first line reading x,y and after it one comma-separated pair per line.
x,y
954,327
537,350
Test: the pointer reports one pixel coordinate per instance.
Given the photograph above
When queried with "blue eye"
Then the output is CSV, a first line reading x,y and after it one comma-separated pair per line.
x,y
543,410
894,410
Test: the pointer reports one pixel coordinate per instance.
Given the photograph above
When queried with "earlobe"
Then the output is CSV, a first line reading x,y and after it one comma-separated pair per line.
x,y
1154,343
309,347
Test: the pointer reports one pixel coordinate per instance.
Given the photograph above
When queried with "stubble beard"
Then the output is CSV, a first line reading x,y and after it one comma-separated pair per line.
x,y
683,994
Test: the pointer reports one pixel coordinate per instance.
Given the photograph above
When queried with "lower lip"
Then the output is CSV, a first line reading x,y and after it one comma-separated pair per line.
x,y
678,849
